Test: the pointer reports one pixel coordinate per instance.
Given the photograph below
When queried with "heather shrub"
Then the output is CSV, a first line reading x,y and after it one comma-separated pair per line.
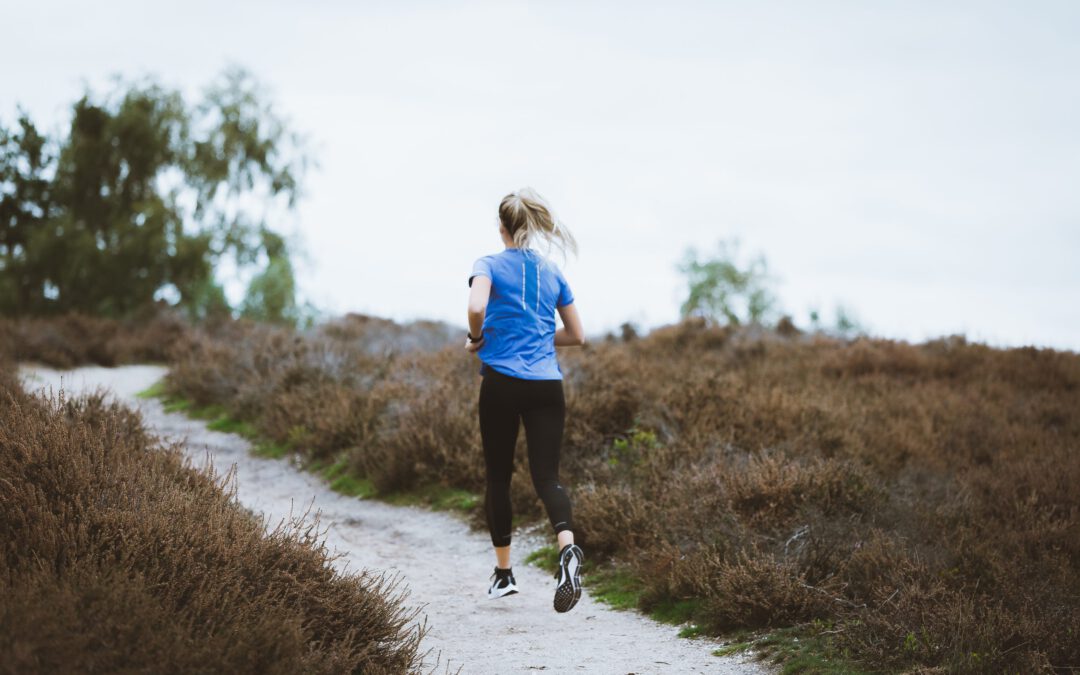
x,y
117,556
613,519
432,439
73,339
754,589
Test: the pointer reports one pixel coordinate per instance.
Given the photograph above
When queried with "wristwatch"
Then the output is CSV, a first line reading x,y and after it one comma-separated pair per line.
x,y
473,340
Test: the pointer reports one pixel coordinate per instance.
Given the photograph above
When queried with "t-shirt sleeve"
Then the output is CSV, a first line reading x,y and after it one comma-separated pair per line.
x,y
566,296
481,266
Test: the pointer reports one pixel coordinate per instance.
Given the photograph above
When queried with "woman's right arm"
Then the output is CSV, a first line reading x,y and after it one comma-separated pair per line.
x,y
571,334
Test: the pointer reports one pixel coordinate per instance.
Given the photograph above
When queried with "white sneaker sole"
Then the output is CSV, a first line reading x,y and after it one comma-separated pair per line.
x,y
494,593
568,588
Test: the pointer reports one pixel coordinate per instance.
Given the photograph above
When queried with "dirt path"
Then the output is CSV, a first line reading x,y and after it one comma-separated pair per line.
x,y
444,564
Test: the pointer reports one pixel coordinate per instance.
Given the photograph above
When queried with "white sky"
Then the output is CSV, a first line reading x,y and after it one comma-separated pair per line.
x,y
917,162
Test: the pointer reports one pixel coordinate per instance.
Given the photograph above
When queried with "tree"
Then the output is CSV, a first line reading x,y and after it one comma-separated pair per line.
x,y
845,323
26,158
147,196
271,295
721,290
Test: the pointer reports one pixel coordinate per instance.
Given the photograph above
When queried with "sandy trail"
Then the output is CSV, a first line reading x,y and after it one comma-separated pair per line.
x,y
444,565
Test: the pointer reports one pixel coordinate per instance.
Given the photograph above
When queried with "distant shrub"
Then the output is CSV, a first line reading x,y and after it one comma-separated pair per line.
x,y
74,339
723,290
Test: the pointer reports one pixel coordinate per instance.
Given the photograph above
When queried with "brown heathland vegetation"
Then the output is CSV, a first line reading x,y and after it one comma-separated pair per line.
x,y
918,503
921,500
75,339
116,556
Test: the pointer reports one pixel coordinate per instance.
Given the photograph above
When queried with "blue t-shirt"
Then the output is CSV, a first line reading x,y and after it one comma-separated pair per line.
x,y
519,324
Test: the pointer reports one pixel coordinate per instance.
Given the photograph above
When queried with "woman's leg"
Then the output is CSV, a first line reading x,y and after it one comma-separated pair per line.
x,y
544,419
499,423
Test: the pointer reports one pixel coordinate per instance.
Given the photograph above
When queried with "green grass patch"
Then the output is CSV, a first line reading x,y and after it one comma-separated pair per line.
x,y
269,449
217,415
337,476
171,403
176,405
733,648
453,499
545,557
233,426
614,586
402,498
803,650
677,610
342,481
328,470
353,487
692,630
435,496
210,412
156,390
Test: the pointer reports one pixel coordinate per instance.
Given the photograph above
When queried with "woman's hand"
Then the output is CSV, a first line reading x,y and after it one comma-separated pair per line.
x,y
473,347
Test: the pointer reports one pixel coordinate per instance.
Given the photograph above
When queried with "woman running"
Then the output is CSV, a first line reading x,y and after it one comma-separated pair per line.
x,y
512,303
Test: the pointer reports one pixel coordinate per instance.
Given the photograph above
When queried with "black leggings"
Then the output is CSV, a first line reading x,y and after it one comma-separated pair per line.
x,y
539,404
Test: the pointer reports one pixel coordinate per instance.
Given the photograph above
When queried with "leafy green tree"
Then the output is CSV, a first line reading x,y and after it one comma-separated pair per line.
x,y
847,325
271,295
26,161
144,199
722,290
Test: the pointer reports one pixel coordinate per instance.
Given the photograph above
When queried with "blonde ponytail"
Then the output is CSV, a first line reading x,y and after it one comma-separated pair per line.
x,y
529,220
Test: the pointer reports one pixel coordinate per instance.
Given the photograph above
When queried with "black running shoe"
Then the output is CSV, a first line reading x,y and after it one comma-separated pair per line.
x,y
502,583
568,578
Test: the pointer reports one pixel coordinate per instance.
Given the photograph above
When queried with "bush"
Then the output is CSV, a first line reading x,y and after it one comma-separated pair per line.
x,y
115,555
75,339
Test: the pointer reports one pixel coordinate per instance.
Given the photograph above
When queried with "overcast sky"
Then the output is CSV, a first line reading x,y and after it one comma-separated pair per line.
x,y
918,163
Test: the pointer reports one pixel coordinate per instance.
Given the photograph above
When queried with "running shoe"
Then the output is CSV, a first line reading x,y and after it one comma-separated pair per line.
x,y
568,578
502,583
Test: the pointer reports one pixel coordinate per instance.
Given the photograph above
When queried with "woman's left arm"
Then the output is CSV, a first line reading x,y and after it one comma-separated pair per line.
x,y
479,292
